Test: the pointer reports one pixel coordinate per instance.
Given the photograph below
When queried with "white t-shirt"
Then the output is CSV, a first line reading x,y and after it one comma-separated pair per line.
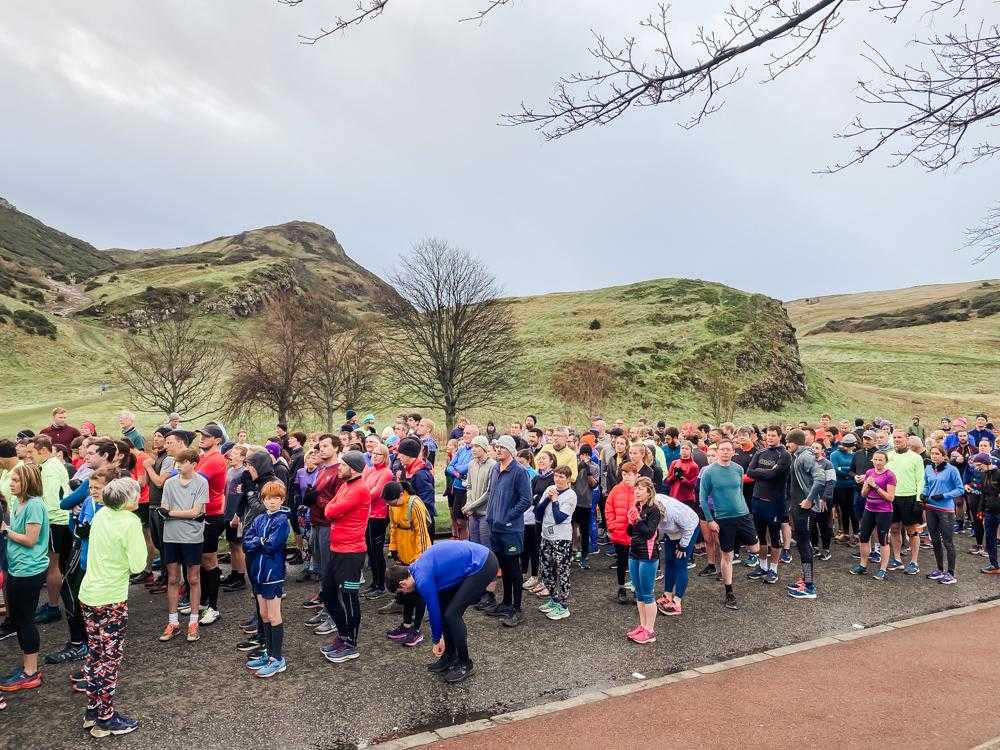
x,y
553,531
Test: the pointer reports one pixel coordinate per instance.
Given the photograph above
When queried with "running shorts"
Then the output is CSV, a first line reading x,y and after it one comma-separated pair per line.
x,y
180,553
870,521
215,527
734,531
907,511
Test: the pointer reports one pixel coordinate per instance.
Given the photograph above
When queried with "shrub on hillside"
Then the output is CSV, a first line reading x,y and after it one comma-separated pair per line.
x,y
31,294
34,323
595,324
90,286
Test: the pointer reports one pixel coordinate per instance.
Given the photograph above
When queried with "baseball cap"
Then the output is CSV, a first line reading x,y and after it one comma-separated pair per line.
x,y
868,434
849,439
212,430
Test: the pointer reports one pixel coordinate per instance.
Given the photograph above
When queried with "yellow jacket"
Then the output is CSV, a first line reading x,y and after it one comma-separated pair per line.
x,y
566,457
409,535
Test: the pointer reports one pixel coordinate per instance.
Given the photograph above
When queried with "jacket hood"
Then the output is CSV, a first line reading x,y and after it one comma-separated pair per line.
x,y
262,463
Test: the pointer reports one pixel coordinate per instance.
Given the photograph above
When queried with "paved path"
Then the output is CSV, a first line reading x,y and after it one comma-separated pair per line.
x,y
931,685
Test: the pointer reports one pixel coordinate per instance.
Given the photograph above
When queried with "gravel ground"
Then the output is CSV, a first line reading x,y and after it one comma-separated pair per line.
x,y
201,693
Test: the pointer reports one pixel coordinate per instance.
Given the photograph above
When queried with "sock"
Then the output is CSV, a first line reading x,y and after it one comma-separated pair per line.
x,y
172,619
193,619
729,589
206,582
268,632
214,579
277,640
765,564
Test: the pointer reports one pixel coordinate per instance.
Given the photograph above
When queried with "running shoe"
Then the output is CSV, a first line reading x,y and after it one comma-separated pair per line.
x,y
237,584
736,557
170,631
192,633
629,586
398,633
584,565
341,655
184,607
248,645
209,616
530,583
644,637
513,619
825,555
948,579
335,645
708,570
911,569
786,557
806,592
974,550
544,608
259,662
273,667
622,595
47,613
71,652
633,631
859,570
875,557
691,564
326,628
772,576
458,673
879,575
799,584
391,608
896,565
20,680
935,575
752,561
374,593
89,718
413,638
558,612
757,574
990,570
117,724
676,608
317,619
142,577
313,603
730,602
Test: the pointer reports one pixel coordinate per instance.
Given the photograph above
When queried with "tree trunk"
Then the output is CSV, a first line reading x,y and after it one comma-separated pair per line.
x,y
329,419
450,416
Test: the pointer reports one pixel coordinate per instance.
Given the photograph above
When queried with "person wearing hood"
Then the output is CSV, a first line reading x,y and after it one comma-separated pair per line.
x,y
265,539
259,472
806,482
417,471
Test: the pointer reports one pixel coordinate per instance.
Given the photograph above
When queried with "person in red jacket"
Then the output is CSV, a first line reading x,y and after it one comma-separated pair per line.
x,y
348,517
621,498
682,479
375,477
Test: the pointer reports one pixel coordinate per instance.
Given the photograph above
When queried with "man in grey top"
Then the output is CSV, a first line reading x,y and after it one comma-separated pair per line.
x,y
184,498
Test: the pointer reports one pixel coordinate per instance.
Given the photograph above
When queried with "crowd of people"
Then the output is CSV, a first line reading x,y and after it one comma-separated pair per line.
x,y
87,515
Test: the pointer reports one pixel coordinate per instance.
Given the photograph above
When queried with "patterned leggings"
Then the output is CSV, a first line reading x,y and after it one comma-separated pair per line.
x,y
556,558
106,642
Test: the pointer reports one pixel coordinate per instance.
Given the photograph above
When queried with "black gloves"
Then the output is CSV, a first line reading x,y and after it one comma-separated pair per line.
x,y
164,513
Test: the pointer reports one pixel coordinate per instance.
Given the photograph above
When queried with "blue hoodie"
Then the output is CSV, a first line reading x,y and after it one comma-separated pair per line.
x,y
942,487
509,497
458,467
81,496
441,567
843,464
265,540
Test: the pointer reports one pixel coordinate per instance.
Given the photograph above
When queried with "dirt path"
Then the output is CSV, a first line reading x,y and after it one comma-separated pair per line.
x,y
75,299
932,685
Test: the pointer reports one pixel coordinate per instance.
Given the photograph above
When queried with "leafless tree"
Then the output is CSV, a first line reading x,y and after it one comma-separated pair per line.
x,y
584,384
341,370
720,391
268,368
171,367
935,113
448,336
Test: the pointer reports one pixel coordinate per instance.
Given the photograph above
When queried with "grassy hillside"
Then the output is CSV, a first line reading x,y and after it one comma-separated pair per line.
x,y
932,369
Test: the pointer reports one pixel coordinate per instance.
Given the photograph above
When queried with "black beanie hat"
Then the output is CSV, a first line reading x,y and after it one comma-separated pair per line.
x,y
392,491
409,446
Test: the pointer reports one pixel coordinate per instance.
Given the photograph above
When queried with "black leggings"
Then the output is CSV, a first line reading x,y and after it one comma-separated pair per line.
x,y
602,502
843,498
822,530
581,519
973,503
532,544
802,532
512,580
621,563
453,603
413,608
22,602
71,599
375,541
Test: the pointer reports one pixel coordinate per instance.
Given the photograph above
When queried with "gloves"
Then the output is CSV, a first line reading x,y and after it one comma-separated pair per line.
x,y
678,473
164,513
82,530
937,498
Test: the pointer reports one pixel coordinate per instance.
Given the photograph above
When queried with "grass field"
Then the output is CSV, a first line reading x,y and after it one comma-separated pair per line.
x,y
944,368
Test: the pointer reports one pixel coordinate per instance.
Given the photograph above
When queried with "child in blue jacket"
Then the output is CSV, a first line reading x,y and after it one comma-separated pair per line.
x,y
264,542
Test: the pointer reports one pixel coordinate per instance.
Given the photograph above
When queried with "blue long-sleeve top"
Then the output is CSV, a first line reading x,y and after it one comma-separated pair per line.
x,y
265,540
942,486
458,467
80,496
557,515
843,464
444,566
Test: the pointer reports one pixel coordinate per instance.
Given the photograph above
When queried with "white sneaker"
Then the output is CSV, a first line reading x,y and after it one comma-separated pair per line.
x,y
530,583
209,616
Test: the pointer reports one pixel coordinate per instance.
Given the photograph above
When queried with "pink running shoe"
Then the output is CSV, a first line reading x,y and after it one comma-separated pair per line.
x,y
634,632
644,636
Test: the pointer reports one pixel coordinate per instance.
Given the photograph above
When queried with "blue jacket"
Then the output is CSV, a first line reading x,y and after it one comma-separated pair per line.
x,y
81,496
444,566
942,487
265,541
510,496
976,435
422,482
843,464
458,467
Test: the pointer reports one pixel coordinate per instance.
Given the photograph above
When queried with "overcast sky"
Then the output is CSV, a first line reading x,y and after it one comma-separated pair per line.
x,y
164,124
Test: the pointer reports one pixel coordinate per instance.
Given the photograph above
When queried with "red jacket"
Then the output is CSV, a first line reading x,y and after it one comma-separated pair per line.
x,y
620,499
61,435
348,516
684,488
326,485
375,478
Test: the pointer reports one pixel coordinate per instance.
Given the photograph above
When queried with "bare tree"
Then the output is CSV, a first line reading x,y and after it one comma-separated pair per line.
x,y
341,370
584,384
268,369
448,335
171,367
720,391
935,113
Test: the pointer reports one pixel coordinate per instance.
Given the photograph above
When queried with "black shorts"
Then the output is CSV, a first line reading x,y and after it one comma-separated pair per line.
x,y
907,511
458,500
143,512
870,521
344,570
231,536
61,544
215,527
733,531
180,553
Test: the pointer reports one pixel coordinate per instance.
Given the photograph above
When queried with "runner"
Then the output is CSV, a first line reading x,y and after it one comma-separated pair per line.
x,y
942,484
316,498
644,517
906,512
213,466
878,488
375,477
55,486
449,577
622,498
541,479
554,514
842,459
990,501
408,540
730,518
769,468
806,482
183,506
679,532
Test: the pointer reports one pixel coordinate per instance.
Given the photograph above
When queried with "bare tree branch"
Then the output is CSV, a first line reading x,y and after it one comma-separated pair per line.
x,y
366,10
984,238
342,369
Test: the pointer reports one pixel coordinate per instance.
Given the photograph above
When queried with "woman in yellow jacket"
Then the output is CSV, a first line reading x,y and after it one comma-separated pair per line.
x,y
409,538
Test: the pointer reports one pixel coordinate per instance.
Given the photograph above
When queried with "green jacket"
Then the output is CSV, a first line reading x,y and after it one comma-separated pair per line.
x,y
55,485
